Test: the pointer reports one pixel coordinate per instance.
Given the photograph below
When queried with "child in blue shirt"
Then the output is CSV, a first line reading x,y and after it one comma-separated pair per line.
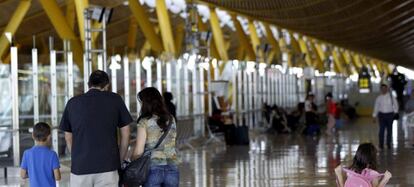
x,y
40,164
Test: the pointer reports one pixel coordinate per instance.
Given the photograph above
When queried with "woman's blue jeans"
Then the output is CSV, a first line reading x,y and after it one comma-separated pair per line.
x,y
163,176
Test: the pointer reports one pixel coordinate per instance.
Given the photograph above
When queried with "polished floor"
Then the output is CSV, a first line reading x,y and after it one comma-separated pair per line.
x,y
286,160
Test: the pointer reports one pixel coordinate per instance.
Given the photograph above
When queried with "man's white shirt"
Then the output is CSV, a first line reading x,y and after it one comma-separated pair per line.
x,y
384,104
308,106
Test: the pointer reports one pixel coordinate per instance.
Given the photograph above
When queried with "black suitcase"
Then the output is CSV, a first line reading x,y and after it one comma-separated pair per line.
x,y
242,135
230,134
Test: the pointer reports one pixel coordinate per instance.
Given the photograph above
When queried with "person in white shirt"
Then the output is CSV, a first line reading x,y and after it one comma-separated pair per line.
x,y
309,103
386,106
311,115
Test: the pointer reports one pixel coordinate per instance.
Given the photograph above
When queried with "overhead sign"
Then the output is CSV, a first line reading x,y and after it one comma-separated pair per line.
x,y
364,80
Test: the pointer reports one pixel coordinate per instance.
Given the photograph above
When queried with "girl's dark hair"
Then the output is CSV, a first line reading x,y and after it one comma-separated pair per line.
x,y
365,157
152,104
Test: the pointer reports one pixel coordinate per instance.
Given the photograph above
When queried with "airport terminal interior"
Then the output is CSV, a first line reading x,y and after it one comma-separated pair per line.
x,y
268,93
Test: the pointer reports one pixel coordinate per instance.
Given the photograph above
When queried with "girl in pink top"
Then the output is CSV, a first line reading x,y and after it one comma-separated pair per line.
x,y
362,169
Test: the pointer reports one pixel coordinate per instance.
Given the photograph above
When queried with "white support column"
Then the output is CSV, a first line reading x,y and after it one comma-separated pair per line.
x,y
35,71
264,89
54,115
159,75
178,90
246,97
210,104
216,70
194,91
293,91
85,75
196,101
186,107
256,95
288,91
284,91
201,98
15,105
168,76
100,62
196,104
279,89
240,97
201,89
127,96
149,73
258,89
276,86
274,89
70,74
269,85
138,82
261,88
114,79
234,95
250,95
289,87
257,101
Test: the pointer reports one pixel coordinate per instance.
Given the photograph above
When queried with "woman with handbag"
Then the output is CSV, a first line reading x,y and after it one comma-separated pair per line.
x,y
156,134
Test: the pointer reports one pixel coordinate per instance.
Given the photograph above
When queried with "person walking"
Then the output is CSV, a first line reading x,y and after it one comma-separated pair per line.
x,y
153,121
168,97
91,122
331,113
409,113
40,164
310,110
409,105
385,108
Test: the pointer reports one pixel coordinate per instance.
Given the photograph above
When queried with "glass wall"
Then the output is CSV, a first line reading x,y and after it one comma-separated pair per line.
x,y
199,86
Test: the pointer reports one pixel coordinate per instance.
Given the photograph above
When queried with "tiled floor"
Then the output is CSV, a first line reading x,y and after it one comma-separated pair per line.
x,y
295,160
287,160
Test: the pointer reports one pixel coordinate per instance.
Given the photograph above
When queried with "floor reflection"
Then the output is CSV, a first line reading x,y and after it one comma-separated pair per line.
x,y
294,160
288,160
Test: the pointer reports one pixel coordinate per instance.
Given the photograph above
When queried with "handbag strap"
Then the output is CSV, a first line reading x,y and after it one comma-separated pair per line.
x,y
162,137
